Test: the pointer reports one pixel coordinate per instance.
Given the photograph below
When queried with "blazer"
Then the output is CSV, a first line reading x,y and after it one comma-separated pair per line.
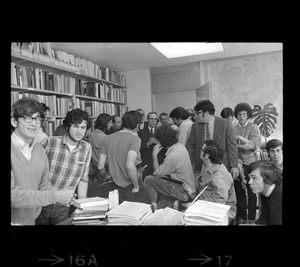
x,y
223,134
146,152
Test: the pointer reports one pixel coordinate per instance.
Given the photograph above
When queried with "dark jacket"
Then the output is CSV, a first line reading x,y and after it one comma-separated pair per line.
x,y
223,135
146,152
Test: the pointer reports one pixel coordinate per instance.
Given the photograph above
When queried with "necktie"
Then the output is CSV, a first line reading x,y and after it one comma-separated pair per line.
x,y
207,131
151,133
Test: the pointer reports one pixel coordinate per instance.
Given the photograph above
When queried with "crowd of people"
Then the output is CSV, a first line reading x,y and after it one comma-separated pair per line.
x,y
164,160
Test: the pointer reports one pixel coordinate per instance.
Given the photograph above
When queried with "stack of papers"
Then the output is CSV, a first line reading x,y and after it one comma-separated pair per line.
x,y
129,213
204,212
166,216
90,210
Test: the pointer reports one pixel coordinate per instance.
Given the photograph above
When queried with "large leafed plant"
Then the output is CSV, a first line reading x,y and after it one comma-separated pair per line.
x,y
265,119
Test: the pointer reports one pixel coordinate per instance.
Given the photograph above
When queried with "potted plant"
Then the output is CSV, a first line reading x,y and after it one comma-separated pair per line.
x,y
265,119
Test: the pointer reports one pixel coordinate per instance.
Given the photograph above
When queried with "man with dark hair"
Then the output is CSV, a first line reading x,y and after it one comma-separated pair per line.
x,y
227,113
266,180
180,117
122,149
274,148
69,160
116,124
174,177
214,174
248,143
30,185
210,126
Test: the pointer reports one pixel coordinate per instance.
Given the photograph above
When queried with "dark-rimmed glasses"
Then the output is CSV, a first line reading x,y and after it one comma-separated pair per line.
x,y
30,119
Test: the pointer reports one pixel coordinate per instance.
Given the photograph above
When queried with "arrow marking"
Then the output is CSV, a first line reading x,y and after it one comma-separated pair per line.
x,y
205,259
55,261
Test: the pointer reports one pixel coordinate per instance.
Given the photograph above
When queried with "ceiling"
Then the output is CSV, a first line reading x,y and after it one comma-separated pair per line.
x,y
137,56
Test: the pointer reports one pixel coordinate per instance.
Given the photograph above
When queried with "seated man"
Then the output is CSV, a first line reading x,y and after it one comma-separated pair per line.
x,y
214,174
122,149
266,180
174,177
274,149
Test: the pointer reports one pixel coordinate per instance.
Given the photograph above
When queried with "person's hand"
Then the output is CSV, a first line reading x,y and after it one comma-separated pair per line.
x,y
156,149
135,190
64,197
140,171
234,172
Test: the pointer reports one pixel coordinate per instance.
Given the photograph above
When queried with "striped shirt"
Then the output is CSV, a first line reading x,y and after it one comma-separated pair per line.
x,y
67,168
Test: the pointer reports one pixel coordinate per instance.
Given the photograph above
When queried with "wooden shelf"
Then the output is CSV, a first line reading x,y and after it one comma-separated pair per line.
x,y
54,68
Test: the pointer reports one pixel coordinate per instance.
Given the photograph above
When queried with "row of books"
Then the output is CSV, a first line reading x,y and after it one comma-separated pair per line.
x,y
43,52
44,80
105,91
94,108
59,106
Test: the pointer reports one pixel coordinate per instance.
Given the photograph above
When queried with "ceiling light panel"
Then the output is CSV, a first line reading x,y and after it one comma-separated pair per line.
x,y
173,50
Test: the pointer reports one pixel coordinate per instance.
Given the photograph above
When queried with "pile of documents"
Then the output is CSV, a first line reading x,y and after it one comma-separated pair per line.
x,y
166,216
90,211
129,213
203,212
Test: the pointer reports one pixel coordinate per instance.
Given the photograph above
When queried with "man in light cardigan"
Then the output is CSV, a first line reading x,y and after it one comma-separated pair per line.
x,y
30,185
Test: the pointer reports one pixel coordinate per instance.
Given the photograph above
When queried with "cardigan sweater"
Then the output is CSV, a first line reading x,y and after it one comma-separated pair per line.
x,y
30,185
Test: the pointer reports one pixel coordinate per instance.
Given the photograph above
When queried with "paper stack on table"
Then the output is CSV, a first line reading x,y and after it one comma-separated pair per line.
x,y
129,213
203,212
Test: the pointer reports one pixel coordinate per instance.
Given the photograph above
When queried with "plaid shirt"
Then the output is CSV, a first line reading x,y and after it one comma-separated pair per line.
x,y
67,168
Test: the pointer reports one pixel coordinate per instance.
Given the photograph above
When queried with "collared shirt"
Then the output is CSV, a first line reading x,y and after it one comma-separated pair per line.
x,y
67,168
240,125
23,146
220,186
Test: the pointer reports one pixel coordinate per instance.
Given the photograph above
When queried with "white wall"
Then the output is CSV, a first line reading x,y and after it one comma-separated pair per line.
x,y
138,90
166,102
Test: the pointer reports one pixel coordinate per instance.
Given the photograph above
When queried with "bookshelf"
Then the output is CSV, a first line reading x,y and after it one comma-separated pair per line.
x,y
63,82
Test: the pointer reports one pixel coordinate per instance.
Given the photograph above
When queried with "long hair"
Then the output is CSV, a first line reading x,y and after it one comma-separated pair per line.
x,y
101,122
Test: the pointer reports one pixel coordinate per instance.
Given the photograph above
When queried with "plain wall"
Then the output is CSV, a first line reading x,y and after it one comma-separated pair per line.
x,y
138,90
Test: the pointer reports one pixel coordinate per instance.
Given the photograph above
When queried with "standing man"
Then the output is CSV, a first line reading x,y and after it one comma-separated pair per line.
x,y
116,124
148,141
30,185
180,117
69,160
122,149
211,127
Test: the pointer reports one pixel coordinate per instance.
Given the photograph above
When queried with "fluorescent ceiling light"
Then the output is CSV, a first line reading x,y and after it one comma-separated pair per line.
x,y
172,50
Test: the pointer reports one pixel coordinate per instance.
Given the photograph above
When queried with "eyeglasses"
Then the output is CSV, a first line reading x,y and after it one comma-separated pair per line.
x,y
199,112
29,119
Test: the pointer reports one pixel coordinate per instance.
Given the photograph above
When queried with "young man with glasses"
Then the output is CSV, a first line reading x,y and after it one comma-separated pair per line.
x,y
219,129
69,159
30,185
